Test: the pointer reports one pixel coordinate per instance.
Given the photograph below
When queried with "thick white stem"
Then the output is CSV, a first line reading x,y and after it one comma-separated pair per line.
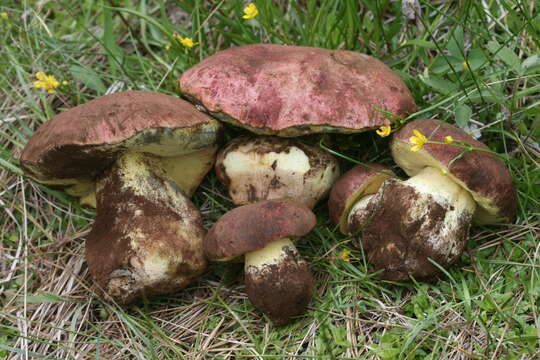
x,y
432,181
359,214
273,254
278,282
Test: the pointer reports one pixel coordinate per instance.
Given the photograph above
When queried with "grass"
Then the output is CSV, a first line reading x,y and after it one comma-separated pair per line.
x,y
472,63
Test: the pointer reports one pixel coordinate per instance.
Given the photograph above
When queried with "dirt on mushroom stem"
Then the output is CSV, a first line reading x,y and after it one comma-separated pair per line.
x,y
147,236
278,281
408,223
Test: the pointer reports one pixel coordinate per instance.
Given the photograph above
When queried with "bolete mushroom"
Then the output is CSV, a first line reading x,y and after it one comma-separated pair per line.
x,y
455,180
353,190
73,148
292,90
265,168
278,281
147,237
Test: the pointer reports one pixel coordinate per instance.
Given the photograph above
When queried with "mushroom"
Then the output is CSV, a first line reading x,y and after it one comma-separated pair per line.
x,y
427,217
292,90
264,168
278,281
147,237
353,190
73,148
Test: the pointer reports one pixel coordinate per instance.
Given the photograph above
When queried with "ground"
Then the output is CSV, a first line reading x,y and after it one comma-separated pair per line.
x,y
471,63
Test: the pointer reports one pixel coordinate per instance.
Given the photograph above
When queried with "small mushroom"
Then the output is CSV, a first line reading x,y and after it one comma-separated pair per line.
x,y
147,236
278,281
293,90
427,217
136,146
353,190
266,168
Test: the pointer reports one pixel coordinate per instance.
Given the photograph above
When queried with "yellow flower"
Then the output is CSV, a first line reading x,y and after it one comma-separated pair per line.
x,y
448,139
65,83
344,255
185,41
465,65
419,140
250,11
4,15
384,131
48,82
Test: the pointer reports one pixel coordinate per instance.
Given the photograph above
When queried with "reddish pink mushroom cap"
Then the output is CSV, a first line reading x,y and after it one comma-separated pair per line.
x,y
292,90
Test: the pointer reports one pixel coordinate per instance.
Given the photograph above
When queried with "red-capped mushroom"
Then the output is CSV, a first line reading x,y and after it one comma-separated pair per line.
x,y
293,90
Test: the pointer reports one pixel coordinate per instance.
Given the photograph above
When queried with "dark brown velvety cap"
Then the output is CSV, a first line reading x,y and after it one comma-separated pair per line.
x,y
359,181
81,142
251,227
293,90
483,174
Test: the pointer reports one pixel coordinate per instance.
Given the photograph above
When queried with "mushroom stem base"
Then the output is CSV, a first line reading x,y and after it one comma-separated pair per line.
x,y
409,224
278,281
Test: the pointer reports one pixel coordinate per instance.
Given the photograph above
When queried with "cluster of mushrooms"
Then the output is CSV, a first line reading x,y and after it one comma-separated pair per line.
x,y
138,157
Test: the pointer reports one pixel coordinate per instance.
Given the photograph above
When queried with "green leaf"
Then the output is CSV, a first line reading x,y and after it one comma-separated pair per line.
x,y
463,114
43,297
439,84
88,77
109,38
420,43
506,55
455,45
531,62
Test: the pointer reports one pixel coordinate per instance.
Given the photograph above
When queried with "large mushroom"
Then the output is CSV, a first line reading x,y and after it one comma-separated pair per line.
x,y
73,148
408,225
278,281
292,90
265,168
147,237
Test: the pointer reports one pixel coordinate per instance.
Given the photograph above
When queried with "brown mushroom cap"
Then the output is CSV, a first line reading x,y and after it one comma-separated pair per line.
x,y
359,181
292,90
483,174
76,145
251,227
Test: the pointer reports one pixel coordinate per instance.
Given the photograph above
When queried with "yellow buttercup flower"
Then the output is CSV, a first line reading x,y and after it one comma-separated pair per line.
x,y
344,255
384,131
419,140
48,82
448,139
250,11
4,15
185,41
465,65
